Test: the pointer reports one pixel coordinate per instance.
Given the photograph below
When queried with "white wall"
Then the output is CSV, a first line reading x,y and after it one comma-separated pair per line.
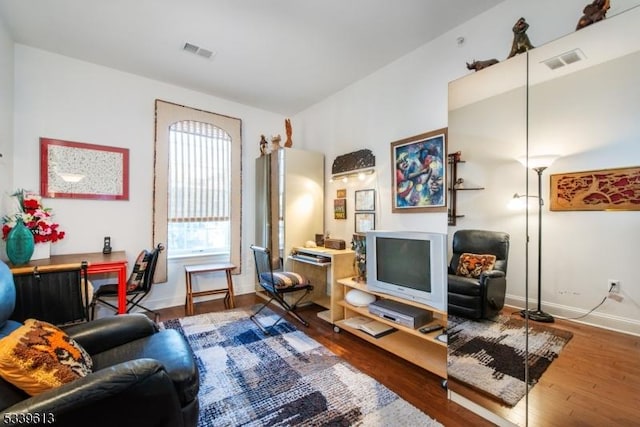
x,y
6,109
409,97
64,98
60,97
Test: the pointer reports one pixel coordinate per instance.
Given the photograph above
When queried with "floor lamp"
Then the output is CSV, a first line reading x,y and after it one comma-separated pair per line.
x,y
539,164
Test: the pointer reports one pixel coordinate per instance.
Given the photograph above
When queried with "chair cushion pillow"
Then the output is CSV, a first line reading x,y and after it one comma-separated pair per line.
x,y
38,356
137,274
473,265
284,279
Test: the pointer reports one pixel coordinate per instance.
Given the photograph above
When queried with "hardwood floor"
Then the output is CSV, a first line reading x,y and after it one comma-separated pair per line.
x,y
594,382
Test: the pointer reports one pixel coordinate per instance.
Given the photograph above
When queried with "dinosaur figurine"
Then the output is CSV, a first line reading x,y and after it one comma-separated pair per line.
x,y
521,41
593,12
480,65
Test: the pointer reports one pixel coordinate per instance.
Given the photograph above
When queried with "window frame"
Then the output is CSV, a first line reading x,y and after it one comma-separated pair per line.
x,y
167,113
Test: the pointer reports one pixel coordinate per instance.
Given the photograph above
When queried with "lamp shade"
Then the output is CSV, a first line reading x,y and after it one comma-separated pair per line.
x,y
542,161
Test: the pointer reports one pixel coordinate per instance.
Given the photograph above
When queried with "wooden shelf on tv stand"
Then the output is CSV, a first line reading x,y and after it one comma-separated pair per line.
x,y
423,350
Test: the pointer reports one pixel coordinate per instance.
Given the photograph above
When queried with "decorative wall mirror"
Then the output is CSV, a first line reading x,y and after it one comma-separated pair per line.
x,y
587,114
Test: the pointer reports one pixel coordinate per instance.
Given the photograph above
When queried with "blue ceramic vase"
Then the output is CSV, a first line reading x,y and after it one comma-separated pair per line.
x,y
20,244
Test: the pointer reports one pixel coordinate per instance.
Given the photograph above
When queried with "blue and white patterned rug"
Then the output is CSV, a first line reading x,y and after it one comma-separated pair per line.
x,y
250,379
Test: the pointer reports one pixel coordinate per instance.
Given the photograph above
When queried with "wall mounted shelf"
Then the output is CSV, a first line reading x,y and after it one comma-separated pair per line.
x,y
454,185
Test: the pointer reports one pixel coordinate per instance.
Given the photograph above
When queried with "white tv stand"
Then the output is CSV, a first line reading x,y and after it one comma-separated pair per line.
x,y
421,349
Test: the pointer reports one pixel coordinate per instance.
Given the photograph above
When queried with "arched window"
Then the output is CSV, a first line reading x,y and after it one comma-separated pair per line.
x,y
197,176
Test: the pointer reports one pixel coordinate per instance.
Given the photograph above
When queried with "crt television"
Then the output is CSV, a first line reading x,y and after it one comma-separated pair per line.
x,y
408,264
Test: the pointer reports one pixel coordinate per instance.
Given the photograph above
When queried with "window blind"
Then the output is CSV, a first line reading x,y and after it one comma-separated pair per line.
x,y
199,172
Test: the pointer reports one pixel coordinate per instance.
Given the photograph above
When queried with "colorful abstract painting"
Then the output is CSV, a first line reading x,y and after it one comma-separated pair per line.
x,y
419,167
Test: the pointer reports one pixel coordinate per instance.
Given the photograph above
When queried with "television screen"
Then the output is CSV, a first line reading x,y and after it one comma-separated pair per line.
x,y
404,262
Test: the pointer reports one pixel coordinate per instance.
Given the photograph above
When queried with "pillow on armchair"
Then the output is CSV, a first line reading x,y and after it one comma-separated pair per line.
x,y
38,356
473,265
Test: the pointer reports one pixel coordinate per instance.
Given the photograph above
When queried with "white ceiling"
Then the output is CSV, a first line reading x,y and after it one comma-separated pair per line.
x,y
278,55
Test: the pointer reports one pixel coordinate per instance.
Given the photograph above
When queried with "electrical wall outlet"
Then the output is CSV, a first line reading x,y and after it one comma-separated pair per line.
x,y
613,286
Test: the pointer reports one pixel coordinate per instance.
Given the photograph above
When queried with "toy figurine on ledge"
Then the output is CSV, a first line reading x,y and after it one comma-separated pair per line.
x,y
275,142
287,125
521,42
593,12
263,145
481,65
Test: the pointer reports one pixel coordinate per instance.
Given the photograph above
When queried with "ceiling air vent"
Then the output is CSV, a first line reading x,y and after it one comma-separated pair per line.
x,y
197,50
566,58
205,53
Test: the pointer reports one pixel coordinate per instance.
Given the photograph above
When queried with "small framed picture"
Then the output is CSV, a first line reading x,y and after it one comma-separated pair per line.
x,y
365,200
365,221
341,193
340,208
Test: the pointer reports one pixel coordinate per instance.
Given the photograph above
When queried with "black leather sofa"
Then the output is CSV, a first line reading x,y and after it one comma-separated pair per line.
x,y
483,297
142,376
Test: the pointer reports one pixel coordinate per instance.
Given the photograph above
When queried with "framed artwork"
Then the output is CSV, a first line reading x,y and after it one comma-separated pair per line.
x,y
419,173
365,200
83,171
340,208
596,190
341,193
364,221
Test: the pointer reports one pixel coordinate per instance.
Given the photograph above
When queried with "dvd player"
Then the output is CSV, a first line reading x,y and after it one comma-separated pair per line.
x,y
402,314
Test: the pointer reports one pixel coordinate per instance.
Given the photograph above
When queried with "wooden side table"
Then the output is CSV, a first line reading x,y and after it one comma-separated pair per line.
x,y
191,270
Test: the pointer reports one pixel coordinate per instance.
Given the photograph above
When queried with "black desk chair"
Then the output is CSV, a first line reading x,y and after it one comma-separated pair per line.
x,y
277,284
138,286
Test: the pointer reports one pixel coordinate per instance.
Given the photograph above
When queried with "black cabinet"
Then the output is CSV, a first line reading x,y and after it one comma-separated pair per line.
x,y
51,294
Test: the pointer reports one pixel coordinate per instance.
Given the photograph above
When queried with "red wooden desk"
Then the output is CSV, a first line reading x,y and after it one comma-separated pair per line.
x,y
115,262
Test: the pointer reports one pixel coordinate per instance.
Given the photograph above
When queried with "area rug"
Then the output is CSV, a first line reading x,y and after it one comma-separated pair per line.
x,y
489,355
251,379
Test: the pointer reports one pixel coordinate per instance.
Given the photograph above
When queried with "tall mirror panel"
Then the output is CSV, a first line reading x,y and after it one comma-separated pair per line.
x,y
584,110
547,151
487,136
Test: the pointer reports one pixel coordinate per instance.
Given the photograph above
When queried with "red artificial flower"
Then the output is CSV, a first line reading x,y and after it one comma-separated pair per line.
x,y
35,217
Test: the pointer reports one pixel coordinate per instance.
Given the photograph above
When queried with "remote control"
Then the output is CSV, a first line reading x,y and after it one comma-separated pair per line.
x,y
430,328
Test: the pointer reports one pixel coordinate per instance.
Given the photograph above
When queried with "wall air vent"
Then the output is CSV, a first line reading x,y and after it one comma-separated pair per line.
x,y
566,58
197,50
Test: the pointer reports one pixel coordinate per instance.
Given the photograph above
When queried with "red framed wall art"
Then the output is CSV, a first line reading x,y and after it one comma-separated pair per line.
x,y
78,170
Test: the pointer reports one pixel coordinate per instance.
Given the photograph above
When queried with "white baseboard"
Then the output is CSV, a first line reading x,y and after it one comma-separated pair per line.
x,y
479,410
600,320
